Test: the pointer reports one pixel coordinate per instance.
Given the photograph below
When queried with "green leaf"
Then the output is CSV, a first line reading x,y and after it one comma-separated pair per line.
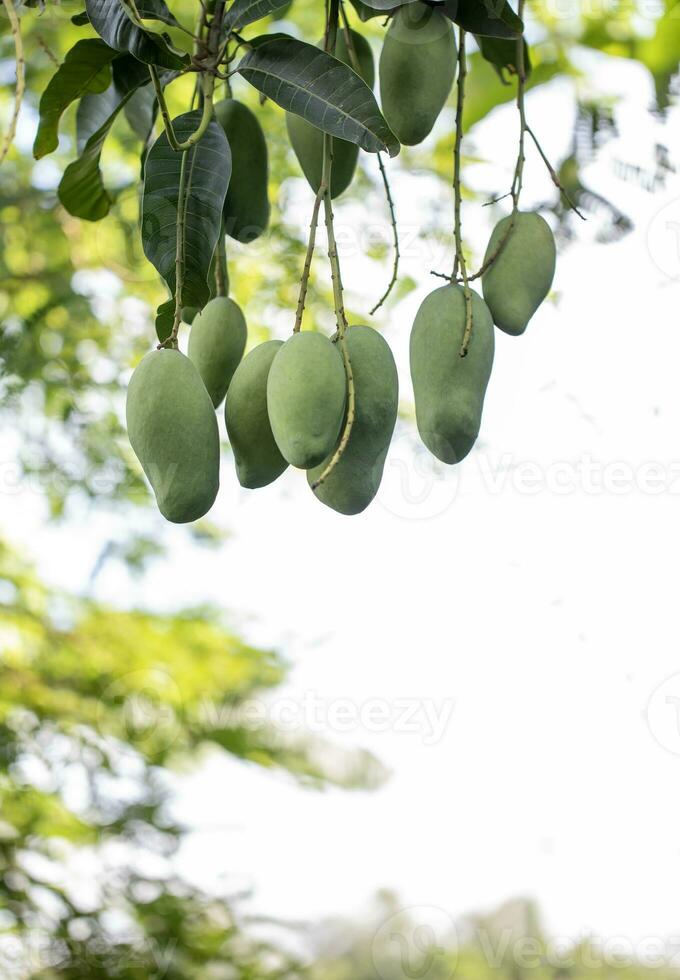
x,y
384,5
86,68
82,190
244,12
141,111
491,18
111,20
323,90
502,54
207,174
366,12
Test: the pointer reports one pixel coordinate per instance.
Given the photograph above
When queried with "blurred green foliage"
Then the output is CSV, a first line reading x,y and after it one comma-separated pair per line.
x,y
97,707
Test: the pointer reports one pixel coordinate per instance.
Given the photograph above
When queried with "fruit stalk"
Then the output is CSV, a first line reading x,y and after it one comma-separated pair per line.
x,y
221,266
521,82
459,260
311,244
336,277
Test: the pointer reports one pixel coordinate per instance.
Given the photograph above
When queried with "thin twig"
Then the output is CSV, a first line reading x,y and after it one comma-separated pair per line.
x,y
521,83
311,244
48,51
356,65
395,236
553,175
15,26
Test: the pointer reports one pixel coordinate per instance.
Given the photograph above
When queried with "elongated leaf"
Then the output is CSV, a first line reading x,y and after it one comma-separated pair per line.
x,y
86,68
490,18
82,190
386,4
112,22
327,93
244,12
207,174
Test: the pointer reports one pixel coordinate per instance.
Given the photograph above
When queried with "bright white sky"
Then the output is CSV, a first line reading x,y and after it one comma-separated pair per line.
x,y
541,620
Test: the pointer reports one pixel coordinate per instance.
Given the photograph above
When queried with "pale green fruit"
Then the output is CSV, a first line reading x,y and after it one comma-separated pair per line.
x,y
417,69
449,389
520,277
355,479
258,459
246,206
173,431
306,393
216,344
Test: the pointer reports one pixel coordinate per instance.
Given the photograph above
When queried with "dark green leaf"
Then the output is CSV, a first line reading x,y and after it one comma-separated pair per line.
x,y
384,5
86,68
327,93
490,18
365,12
244,12
80,19
111,21
207,173
82,190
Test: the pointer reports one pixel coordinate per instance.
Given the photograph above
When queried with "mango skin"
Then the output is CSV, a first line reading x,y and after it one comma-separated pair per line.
x,y
449,389
417,69
216,344
257,457
519,279
307,140
246,206
355,480
173,431
306,394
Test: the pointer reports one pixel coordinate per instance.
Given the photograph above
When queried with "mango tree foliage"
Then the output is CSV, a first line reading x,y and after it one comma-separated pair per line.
x,y
97,707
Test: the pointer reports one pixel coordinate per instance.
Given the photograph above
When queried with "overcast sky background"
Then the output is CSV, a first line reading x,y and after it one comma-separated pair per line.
x,y
526,599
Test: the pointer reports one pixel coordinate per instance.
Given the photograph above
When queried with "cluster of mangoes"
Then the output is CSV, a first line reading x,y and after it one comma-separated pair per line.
x,y
287,404
448,388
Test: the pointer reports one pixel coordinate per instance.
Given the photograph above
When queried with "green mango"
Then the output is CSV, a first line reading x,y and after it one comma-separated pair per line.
x,y
355,479
306,393
449,389
417,69
258,459
307,140
520,277
173,431
246,206
216,344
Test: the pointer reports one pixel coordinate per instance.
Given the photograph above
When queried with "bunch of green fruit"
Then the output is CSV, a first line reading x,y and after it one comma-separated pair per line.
x,y
329,406
286,404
